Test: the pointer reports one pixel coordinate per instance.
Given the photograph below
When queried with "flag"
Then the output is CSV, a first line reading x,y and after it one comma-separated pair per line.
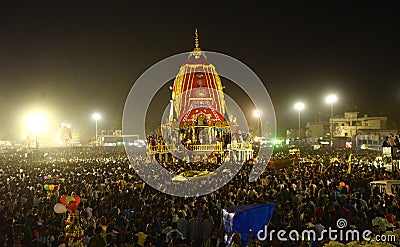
x,y
349,164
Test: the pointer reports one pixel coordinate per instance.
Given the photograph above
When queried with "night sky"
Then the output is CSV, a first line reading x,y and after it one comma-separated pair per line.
x,y
73,58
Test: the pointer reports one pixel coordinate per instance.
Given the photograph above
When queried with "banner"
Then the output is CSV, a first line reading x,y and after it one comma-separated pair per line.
x,y
243,218
281,163
387,151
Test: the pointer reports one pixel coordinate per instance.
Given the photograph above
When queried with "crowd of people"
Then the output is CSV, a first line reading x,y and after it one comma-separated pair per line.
x,y
118,209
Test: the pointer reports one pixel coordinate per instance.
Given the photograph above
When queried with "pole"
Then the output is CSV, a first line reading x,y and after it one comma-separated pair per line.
x,y
97,141
299,127
356,135
331,124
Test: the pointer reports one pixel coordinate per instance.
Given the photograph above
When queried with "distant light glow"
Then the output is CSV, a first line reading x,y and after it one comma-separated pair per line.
x,y
257,113
277,142
299,106
37,122
330,99
96,116
66,125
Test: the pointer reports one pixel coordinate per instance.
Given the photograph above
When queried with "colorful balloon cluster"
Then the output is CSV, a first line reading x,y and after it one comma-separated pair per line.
x,y
51,187
47,177
71,202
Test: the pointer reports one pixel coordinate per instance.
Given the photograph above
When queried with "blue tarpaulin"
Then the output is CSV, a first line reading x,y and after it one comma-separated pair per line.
x,y
243,218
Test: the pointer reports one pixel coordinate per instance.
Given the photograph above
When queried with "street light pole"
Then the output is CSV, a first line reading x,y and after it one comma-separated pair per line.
x,y
96,117
299,107
299,126
257,115
331,99
97,139
331,124
36,123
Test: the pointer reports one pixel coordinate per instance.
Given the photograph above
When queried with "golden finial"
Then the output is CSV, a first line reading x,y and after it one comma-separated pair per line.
x,y
196,51
196,39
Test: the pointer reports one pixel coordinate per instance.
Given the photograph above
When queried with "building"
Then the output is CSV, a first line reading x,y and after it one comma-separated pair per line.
x,y
350,128
114,138
293,134
317,131
351,124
